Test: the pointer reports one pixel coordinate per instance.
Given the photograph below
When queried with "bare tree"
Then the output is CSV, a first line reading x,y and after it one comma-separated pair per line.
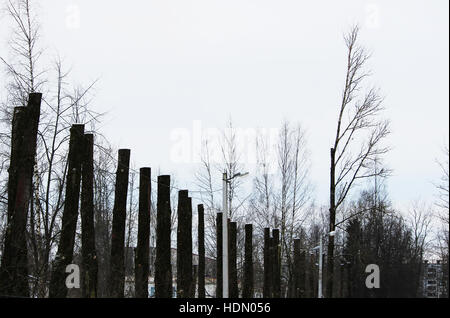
x,y
359,137
300,208
23,73
131,226
285,164
281,190
262,210
207,190
61,109
443,215
420,218
62,105
104,186
232,166
262,201
207,180
443,185
24,70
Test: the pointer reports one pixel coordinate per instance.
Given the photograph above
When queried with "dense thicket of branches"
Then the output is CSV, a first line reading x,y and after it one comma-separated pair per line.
x,y
381,236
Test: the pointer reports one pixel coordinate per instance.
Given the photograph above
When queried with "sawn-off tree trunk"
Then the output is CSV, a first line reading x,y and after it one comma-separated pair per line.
x,y
64,256
276,265
184,245
89,255
201,251
247,291
219,263
330,251
142,266
267,287
117,261
13,270
232,260
163,267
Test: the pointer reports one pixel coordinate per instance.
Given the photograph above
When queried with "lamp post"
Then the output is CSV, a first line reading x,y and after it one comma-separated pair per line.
x,y
320,248
225,182
225,236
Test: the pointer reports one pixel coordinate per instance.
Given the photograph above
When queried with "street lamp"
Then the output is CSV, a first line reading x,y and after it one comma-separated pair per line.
x,y
320,248
225,182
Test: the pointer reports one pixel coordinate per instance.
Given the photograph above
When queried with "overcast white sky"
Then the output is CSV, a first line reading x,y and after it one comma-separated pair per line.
x,y
164,64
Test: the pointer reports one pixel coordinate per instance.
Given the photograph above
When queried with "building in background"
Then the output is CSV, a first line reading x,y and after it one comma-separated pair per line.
x,y
434,280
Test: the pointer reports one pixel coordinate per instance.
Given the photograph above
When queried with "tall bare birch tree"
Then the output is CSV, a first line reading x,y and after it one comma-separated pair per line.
x,y
359,136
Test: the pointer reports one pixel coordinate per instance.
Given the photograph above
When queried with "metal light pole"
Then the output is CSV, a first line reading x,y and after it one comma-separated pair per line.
x,y
320,268
320,247
225,236
225,181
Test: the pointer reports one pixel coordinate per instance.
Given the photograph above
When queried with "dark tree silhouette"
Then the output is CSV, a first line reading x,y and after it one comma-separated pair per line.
x,y
88,251
117,260
358,125
142,265
13,270
64,255
163,267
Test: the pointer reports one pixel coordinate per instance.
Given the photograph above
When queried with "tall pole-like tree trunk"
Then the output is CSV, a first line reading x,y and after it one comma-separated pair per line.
x,y
64,256
295,288
267,289
232,259
302,274
276,263
163,267
348,267
117,260
14,270
219,263
192,278
248,263
141,269
184,245
330,252
341,285
299,271
89,254
193,281
312,293
201,251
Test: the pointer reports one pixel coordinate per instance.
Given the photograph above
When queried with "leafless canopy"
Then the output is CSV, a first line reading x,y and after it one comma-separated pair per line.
x,y
360,131
443,185
23,71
